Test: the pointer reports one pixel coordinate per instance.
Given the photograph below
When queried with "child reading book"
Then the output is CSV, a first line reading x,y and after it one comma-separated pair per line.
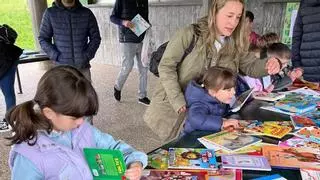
x,y
50,131
208,99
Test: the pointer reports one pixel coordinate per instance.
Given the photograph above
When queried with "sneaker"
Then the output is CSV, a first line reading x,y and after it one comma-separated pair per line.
x,y
117,94
4,126
144,101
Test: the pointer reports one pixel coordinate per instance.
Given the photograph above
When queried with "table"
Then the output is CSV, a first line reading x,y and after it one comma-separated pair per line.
x,y
29,57
249,112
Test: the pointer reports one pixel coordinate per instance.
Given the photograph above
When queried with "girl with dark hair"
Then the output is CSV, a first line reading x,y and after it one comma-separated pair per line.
x,y
208,99
51,131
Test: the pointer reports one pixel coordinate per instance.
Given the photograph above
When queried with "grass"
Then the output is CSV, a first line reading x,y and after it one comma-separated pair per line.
x,y
16,14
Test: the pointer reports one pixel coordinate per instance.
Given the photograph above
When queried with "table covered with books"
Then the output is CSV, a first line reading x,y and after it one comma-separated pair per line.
x,y
282,144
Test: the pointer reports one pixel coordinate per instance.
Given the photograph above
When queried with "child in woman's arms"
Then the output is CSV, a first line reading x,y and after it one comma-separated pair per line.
x,y
51,131
208,100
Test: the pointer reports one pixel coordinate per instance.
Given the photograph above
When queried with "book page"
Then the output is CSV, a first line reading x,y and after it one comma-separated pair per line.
x,y
140,25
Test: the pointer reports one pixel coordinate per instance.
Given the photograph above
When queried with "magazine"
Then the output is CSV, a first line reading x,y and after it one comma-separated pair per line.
x,y
140,25
158,159
248,162
291,158
308,174
268,96
272,108
301,143
225,174
174,174
228,141
105,163
298,102
241,100
311,133
192,158
311,118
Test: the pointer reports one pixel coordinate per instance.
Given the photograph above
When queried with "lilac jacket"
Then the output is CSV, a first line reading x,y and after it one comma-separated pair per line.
x,y
54,160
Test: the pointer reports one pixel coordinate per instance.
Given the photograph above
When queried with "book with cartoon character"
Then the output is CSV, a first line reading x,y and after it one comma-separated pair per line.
x,y
158,159
301,143
311,133
228,141
192,158
174,174
311,118
105,163
248,162
268,96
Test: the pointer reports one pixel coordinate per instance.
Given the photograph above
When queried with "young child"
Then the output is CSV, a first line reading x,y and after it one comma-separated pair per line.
x,y
208,100
50,131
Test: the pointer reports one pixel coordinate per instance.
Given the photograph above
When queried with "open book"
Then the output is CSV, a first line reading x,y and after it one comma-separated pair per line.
x,y
140,25
241,100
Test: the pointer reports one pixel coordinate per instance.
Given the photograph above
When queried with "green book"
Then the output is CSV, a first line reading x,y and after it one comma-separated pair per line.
x,y
105,164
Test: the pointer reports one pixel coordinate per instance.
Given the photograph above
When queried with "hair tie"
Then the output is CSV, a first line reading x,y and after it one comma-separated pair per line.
x,y
36,107
202,85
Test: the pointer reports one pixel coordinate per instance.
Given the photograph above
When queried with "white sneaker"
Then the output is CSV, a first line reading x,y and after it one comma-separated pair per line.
x,y
4,126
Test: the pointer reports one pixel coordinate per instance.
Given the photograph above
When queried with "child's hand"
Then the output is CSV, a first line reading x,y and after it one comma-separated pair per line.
x,y
295,73
230,123
134,171
127,24
269,89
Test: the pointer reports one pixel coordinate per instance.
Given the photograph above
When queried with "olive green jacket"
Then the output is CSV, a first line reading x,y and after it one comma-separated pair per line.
x,y
161,116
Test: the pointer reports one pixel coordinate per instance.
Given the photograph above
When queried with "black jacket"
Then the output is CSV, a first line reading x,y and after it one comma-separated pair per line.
x,y
70,30
306,40
127,10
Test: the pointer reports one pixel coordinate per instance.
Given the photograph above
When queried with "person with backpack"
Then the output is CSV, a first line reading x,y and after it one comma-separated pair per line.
x,y
9,56
221,40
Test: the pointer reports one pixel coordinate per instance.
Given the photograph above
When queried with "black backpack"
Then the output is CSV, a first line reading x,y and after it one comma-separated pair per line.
x,y
7,34
157,55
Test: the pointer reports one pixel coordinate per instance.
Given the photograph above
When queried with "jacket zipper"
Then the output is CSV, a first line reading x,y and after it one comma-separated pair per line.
x,y
72,50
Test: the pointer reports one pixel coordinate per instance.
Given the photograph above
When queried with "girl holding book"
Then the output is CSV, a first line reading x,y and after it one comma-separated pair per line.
x,y
50,131
208,99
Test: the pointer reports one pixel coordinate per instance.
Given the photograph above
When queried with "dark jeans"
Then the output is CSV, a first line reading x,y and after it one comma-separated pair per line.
x,y
7,87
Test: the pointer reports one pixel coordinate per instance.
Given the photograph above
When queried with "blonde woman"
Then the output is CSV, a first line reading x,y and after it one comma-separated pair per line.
x,y
221,40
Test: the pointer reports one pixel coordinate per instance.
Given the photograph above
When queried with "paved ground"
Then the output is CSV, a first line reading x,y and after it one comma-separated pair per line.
x,y
122,120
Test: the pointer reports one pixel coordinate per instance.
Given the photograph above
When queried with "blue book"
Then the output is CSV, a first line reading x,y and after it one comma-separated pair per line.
x,y
271,177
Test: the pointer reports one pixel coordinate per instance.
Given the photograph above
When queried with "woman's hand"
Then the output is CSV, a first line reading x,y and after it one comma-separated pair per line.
x,y
134,171
127,24
182,109
273,66
230,123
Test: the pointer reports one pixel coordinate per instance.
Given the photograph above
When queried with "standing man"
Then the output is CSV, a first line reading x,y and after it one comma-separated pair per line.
x,y
306,40
130,45
75,34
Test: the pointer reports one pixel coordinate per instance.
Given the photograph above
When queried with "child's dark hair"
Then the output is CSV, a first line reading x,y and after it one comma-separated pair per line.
x,y
64,90
279,49
250,15
218,78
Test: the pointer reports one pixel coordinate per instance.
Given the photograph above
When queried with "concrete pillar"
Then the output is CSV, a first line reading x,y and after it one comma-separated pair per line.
x,y
205,7
37,8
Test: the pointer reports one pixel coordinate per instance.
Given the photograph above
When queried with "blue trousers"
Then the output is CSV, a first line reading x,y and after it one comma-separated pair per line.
x,y
7,87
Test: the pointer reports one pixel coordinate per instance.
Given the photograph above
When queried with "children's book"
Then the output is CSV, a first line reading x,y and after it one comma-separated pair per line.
x,y
268,96
276,129
311,133
291,158
248,162
301,143
174,174
255,149
304,90
311,118
225,174
105,163
228,141
271,177
298,103
140,25
241,100
272,108
158,159
298,83
308,174
192,158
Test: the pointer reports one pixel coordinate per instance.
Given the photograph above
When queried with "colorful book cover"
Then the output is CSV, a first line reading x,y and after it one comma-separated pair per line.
x,y
192,158
311,118
248,162
225,174
301,143
291,158
311,133
140,25
158,159
174,174
105,163
308,174
229,141
271,177
276,129
268,96
297,102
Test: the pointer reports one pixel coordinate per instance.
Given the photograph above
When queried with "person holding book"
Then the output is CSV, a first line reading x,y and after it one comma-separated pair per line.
x,y
130,45
50,131
208,98
221,40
